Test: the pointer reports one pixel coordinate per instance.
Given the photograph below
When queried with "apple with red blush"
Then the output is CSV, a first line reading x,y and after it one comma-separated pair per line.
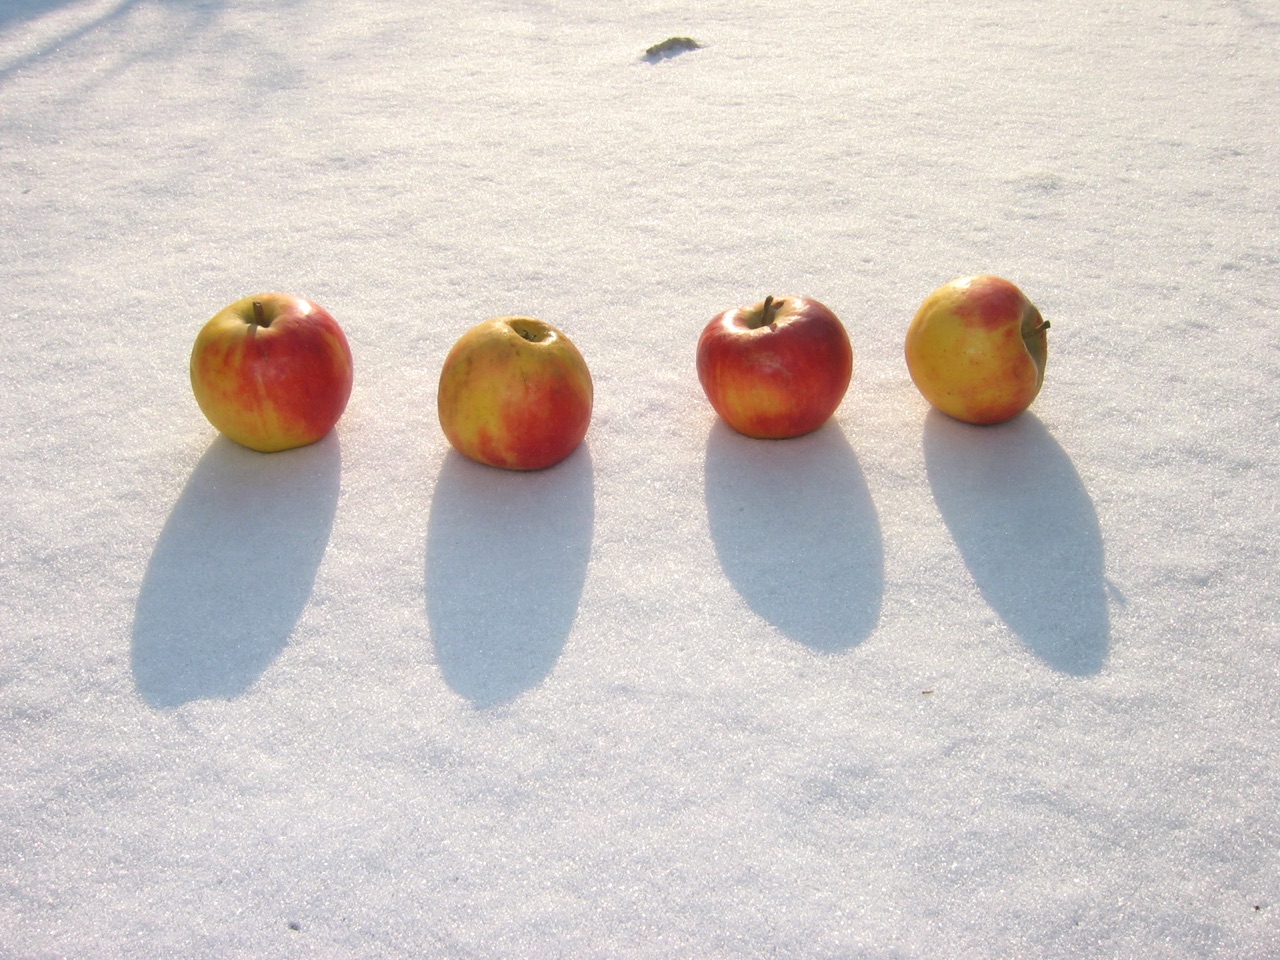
x,y
976,349
777,369
272,371
515,393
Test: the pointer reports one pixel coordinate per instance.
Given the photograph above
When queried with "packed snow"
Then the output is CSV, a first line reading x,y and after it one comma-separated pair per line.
x,y
900,688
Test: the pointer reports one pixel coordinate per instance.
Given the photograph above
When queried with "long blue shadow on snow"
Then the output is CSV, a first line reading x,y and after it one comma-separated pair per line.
x,y
16,11
198,15
1027,531
232,570
506,561
797,533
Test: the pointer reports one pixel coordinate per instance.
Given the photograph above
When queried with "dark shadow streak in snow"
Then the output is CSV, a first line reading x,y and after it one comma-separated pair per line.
x,y
200,13
797,533
233,570
1027,531
506,561
12,11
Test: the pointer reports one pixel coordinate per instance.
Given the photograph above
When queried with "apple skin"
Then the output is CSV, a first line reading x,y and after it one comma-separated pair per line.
x,y
777,369
976,349
515,393
272,371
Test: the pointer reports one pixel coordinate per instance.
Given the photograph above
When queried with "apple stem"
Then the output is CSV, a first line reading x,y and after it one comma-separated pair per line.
x,y
1044,326
769,308
259,316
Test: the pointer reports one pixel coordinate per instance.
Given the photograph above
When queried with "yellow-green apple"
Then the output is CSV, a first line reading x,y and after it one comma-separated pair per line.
x,y
976,349
777,369
272,371
515,393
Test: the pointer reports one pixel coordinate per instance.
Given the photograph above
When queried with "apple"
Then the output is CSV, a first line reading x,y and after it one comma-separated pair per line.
x,y
777,369
272,371
976,349
515,393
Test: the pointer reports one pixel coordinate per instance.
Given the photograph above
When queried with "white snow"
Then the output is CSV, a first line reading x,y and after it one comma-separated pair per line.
x,y
902,688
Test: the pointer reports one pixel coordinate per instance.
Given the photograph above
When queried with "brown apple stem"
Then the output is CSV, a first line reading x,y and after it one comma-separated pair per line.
x,y
766,317
259,316
1043,326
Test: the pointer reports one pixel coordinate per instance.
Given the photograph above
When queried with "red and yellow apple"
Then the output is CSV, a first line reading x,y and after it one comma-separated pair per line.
x,y
515,393
272,371
976,349
777,369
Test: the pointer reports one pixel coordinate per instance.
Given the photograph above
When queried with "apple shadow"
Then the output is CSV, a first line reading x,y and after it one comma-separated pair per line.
x,y
797,533
506,561
232,570
1028,533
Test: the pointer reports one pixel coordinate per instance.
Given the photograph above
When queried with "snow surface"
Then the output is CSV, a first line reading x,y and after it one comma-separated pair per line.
x,y
902,688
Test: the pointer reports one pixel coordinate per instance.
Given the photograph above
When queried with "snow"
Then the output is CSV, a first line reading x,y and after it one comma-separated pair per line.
x,y
901,688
